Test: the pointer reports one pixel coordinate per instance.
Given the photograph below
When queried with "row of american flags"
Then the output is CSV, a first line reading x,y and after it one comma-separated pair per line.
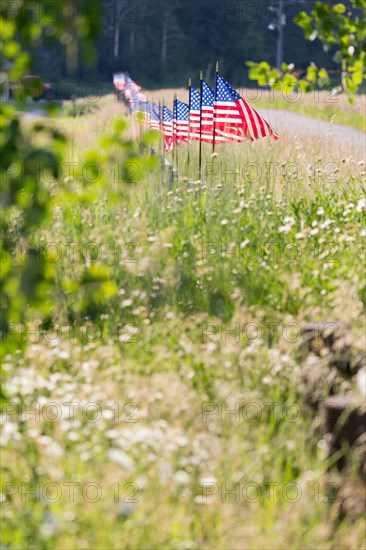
x,y
215,116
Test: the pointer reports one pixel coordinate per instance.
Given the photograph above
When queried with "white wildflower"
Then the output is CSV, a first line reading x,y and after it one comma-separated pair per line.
x,y
361,205
208,480
121,458
326,223
289,222
182,478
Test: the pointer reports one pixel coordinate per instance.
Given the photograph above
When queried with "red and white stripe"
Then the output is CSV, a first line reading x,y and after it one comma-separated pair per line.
x,y
168,143
257,126
180,130
155,124
228,122
239,120
207,126
167,128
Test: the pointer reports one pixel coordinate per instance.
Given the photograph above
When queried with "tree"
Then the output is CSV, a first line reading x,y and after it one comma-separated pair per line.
x,y
335,26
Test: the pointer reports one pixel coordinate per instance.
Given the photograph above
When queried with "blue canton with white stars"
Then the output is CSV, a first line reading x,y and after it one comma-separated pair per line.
x,y
181,110
154,112
167,114
207,95
225,92
195,104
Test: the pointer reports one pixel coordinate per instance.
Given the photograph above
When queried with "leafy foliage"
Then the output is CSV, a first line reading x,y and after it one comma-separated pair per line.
x,y
335,26
31,172
25,195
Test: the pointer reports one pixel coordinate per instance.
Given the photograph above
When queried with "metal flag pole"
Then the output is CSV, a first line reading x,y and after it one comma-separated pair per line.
x,y
200,148
189,125
160,127
162,144
175,152
176,133
149,122
214,110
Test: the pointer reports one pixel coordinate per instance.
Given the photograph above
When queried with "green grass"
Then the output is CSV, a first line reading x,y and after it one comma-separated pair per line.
x,y
180,264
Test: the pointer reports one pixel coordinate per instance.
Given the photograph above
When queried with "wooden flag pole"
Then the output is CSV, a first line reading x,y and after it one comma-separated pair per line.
x,y
214,111
200,148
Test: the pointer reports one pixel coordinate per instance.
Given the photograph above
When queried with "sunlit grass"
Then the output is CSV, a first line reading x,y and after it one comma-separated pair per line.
x,y
273,237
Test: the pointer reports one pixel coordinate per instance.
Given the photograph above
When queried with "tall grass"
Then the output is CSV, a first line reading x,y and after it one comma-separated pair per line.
x,y
194,364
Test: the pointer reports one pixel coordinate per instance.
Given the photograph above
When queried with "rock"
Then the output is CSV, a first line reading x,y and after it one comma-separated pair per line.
x,y
345,420
352,499
329,340
319,335
361,380
318,381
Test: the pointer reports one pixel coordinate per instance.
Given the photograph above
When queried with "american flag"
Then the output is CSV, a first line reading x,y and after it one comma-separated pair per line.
x,y
131,93
167,125
142,107
119,81
154,118
131,89
180,120
235,117
207,115
194,113
207,108
136,99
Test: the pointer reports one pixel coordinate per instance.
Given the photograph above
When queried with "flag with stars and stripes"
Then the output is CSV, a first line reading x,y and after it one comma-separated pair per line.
x,y
142,111
234,116
167,126
131,89
207,108
194,113
206,133
119,81
136,100
180,120
154,116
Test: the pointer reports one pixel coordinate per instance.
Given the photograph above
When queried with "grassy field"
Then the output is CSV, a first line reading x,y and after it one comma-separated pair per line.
x,y
174,414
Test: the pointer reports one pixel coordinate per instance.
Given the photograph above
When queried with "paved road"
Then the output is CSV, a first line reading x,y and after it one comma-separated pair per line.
x,y
287,121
